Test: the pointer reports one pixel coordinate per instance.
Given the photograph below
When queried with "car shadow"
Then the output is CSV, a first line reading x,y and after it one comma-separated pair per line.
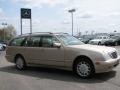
x,y
56,74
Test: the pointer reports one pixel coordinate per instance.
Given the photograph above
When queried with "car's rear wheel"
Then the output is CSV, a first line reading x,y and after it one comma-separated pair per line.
x,y
84,68
20,63
116,43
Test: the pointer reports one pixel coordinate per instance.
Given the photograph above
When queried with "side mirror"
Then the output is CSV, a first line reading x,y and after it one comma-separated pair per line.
x,y
58,45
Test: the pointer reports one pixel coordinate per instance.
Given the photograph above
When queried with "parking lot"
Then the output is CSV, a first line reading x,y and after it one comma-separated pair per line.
x,y
54,79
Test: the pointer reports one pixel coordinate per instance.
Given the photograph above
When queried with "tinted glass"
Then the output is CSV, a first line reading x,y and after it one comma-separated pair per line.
x,y
104,37
17,42
33,41
47,41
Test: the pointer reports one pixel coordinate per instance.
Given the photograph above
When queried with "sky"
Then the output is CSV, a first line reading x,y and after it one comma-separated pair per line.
x,y
101,16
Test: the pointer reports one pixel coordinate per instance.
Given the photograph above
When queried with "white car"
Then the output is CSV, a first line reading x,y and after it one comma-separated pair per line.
x,y
1,47
4,46
99,40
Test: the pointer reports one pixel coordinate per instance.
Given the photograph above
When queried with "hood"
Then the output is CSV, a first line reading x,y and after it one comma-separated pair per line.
x,y
94,48
0,44
111,40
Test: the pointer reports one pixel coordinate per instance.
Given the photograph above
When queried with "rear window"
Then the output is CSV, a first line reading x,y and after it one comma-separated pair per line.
x,y
17,41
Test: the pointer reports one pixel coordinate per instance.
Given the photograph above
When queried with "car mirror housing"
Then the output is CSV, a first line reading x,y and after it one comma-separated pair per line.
x,y
58,45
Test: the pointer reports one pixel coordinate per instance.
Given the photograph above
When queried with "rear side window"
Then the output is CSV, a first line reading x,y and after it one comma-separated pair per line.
x,y
17,41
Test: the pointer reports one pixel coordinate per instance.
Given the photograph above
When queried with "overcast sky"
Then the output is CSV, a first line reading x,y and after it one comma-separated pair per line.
x,y
53,16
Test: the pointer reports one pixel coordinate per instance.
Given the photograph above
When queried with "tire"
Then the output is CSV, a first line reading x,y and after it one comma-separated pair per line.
x,y
20,63
4,48
99,43
116,44
84,68
106,44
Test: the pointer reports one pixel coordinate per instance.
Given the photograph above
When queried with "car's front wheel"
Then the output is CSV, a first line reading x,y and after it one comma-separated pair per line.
x,y
20,63
4,48
84,68
99,43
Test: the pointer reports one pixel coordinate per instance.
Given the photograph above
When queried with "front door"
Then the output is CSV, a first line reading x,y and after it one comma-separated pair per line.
x,y
52,55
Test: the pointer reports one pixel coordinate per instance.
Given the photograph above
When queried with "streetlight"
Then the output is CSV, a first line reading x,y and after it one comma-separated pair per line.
x,y
71,11
4,24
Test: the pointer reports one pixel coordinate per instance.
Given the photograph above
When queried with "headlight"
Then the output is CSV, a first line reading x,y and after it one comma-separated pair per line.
x,y
110,55
114,55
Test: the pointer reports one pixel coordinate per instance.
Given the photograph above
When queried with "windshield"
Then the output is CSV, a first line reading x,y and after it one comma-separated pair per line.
x,y
69,40
115,37
98,38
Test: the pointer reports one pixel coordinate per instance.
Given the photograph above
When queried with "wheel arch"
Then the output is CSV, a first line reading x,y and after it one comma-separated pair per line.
x,y
18,55
82,56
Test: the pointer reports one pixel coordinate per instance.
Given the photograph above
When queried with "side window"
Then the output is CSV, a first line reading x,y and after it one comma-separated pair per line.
x,y
47,41
104,37
33,41
17,42
55,40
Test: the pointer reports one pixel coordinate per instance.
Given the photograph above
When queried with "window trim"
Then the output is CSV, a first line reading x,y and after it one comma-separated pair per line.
x,y
30,37
10,44
48,36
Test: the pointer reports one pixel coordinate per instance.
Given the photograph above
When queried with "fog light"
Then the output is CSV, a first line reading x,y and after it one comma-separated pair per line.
x,y
97,63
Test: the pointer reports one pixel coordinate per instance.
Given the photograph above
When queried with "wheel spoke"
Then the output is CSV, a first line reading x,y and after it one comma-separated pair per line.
x,y
83,68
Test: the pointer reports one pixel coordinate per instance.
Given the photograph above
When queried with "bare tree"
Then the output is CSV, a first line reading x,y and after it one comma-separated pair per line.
x,y
8,31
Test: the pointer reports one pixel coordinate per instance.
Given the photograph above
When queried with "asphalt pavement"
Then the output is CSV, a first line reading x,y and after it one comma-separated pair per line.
x,y
54,79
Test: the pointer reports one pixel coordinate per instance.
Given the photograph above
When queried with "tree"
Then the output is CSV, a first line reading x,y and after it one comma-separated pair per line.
x,y
8,31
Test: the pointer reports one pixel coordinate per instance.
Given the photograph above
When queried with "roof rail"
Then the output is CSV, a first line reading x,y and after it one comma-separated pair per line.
x,y
36,33
42,33
24,34
60,33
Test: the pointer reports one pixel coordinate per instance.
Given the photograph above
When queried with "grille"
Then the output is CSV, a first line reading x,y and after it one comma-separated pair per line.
x,y
114,55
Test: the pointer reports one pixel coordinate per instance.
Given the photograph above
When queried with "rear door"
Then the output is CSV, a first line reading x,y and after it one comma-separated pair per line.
x,y
33,50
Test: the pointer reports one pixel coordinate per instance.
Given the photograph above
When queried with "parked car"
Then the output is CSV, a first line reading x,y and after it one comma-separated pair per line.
x,y
86,40
99,40
63,51
4,44
1,47
114,40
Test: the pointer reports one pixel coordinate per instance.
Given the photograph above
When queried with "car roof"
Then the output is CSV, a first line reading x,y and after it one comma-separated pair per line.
x,y
40,33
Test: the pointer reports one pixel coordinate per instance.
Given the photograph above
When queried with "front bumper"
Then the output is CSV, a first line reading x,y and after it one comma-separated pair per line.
x,y
106,66
1,48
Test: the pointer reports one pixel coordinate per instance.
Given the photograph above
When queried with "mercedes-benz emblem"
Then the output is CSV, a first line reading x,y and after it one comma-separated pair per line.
x,y
26,12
